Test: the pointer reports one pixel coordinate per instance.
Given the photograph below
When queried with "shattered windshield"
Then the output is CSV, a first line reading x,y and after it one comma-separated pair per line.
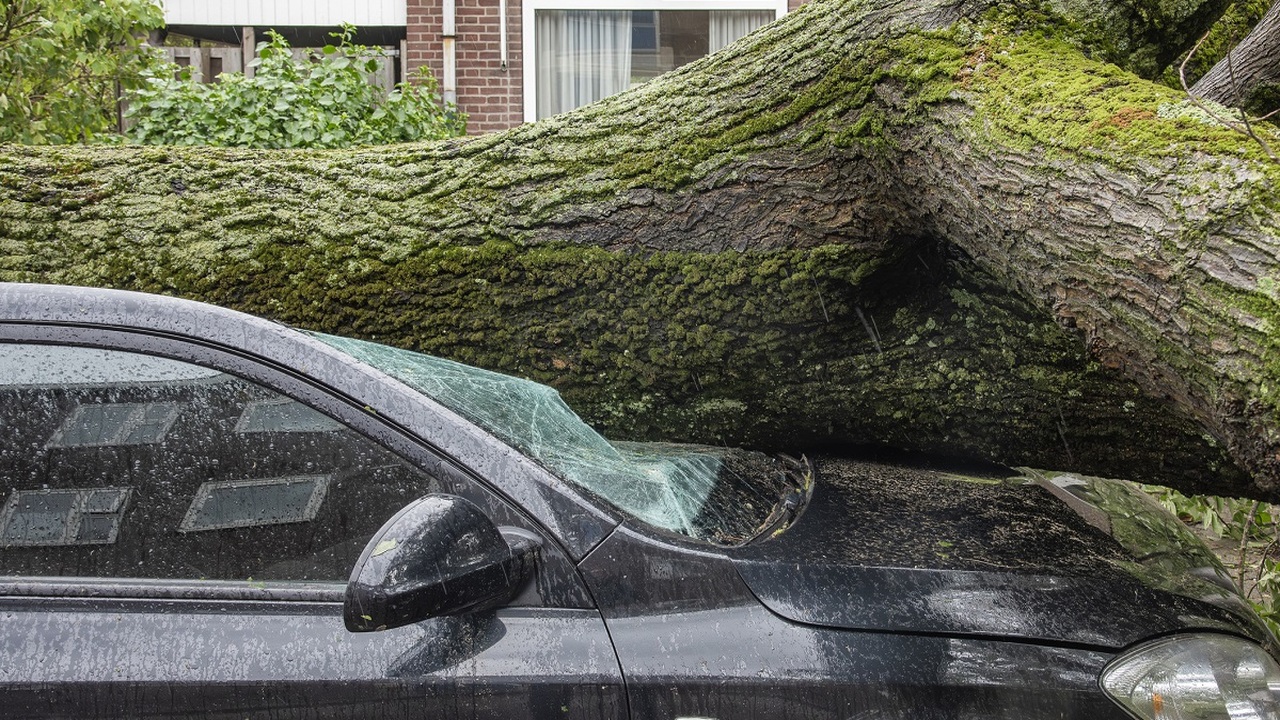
x,y
722,495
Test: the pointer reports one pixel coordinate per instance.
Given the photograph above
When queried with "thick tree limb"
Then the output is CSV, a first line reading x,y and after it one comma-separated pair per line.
x,y
1252,64
902,223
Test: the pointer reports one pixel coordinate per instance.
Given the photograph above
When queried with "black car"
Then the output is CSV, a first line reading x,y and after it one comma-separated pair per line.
x,y
209,514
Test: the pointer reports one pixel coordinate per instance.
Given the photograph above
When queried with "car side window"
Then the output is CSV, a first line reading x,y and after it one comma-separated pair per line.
x,y
120,464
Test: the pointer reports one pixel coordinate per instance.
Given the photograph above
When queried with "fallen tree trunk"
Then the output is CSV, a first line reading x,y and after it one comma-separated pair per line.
x,y
936,229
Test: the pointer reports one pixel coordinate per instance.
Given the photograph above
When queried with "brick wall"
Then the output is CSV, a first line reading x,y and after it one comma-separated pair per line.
x,y
489,94
422,36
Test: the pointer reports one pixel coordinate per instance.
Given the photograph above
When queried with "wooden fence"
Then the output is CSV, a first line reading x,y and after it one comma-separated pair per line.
x,y
206,63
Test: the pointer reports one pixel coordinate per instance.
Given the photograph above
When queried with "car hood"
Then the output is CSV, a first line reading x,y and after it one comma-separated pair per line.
x,y
1057,558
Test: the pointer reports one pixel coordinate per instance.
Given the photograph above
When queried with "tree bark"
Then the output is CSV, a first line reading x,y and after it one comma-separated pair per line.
x,y
1250,67
919,225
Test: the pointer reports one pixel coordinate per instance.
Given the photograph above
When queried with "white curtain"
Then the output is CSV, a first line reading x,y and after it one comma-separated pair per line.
x,y
583,56
729,25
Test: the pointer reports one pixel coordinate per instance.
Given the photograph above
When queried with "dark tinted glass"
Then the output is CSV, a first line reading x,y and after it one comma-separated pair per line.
x,y
116,464
252,503
38,518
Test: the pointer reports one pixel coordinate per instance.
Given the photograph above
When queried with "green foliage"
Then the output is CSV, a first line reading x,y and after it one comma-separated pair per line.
x,y
63,63
322,103
1250,531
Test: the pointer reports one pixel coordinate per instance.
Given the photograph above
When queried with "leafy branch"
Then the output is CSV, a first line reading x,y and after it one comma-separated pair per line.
x,y
63,63
1253,530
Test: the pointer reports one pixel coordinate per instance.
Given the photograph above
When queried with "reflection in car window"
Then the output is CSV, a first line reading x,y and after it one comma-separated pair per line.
x,y
63,517
717,494
118,464
247,503
283,415
70,366
116,424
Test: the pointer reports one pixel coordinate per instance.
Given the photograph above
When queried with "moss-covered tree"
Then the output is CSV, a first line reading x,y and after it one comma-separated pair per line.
x,y
942,225
1249,75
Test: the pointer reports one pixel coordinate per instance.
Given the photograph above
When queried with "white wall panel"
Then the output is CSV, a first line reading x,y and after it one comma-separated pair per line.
x,y
323,13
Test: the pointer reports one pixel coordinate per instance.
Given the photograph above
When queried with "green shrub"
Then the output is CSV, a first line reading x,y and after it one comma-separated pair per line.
x,y
325,102
1252,551
63,63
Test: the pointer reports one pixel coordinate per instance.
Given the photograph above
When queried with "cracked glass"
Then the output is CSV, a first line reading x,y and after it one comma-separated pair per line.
x,y
723,495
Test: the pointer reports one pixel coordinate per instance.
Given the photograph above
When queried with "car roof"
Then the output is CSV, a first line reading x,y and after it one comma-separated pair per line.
x,y
578,522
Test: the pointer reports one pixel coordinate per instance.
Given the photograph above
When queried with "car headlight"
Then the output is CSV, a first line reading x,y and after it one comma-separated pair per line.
x,y
1194,677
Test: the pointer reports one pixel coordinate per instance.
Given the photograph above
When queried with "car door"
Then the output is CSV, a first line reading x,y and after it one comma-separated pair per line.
x,y
176,534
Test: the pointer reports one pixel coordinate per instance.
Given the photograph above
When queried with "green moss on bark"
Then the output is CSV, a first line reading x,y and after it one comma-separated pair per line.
x,y
1037,93
790,349
1142,36
824,329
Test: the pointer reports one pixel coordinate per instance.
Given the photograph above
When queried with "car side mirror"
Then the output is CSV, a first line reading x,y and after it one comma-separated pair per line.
x,y
440,555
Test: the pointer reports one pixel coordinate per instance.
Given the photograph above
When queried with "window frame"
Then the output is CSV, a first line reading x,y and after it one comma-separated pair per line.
x,y
530,41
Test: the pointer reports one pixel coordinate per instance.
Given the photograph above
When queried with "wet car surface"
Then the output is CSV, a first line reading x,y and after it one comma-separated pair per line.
x,y
209,514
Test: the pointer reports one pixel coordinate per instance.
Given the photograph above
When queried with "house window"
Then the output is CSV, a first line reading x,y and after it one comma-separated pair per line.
x,y
583,52
283,415
103,424
250,503
63,517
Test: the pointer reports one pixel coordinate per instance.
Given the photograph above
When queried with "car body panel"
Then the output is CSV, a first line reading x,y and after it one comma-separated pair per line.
x,y
102,658
693,641
884,547
695,665
889,594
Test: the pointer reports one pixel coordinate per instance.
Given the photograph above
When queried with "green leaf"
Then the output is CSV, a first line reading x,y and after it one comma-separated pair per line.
x,y
69,64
